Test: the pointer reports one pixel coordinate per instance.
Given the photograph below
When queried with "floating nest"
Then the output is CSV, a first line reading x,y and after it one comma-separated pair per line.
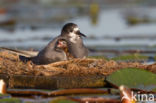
x,y
11,65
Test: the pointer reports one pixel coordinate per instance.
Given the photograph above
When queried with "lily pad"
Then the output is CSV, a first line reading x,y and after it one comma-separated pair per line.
x,y
98,57
4,96
134,78
130,57
62,100
10,100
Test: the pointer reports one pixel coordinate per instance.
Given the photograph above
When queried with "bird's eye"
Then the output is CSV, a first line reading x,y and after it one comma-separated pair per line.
x,y
64,42
71,30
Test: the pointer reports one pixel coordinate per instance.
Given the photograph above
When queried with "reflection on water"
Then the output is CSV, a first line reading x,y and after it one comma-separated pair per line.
x,y
94,13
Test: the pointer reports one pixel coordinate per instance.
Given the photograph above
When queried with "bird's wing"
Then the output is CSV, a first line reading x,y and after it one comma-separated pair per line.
x,y
21,52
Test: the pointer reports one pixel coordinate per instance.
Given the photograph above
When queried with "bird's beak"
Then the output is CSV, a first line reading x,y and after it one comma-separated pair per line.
x,y
81,34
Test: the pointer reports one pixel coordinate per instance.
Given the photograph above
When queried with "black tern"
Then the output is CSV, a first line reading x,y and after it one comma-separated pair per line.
x,y
74,37
63,44
53,52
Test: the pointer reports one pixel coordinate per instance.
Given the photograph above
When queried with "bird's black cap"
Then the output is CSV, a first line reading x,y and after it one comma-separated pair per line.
x,y
69,27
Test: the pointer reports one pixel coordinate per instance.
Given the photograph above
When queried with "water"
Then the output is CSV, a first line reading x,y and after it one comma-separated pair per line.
x,y
110,30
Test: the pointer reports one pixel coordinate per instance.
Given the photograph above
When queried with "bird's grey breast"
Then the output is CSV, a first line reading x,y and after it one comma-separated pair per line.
x,y
78,49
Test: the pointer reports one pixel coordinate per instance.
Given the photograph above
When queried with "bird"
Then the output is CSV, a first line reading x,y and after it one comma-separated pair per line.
x,y
63,44
53,52
75,48
73,35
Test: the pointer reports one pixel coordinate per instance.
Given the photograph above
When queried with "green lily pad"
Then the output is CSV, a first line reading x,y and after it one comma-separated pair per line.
x,y
10,100
4,96
62,100
134,78
98,57
129,57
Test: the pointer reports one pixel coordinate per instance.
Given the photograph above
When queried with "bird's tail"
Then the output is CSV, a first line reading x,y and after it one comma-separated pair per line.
x,y
24,59
21,52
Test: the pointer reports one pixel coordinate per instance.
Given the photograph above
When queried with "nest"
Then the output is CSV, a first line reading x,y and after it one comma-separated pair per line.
x,y
11,65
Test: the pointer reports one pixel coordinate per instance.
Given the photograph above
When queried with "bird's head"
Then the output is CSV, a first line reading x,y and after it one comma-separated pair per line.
x,y
61,43
72,31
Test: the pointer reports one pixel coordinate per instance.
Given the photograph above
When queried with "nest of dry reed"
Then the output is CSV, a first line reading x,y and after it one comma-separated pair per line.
x,y
11,65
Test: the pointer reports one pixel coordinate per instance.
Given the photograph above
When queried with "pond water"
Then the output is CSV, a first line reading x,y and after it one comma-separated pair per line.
x,y
109,30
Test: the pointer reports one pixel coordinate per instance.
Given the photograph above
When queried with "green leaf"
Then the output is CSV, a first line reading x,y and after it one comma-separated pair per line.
x,y
98,57
134,78
62,100
10,100
129,57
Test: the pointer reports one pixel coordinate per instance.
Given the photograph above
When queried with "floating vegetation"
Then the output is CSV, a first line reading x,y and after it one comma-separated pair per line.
x,y
131,57
77,73
64,74
10,100
134,78
98,57
11,65
136,20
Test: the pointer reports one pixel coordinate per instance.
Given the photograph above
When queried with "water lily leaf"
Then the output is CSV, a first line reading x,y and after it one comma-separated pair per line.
x,y
4,96
134,78
10,100
62,100
131,57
